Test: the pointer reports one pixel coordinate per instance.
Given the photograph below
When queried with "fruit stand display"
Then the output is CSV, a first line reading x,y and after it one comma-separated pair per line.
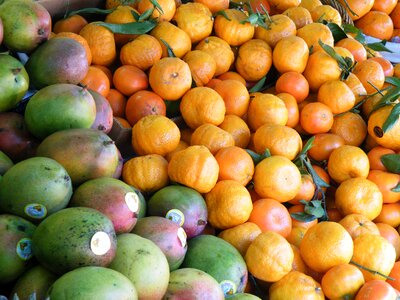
x,y
205,149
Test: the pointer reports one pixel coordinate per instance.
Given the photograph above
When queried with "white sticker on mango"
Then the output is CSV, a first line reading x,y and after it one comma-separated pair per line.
x,y
182,236
228,287
100,243
132,201
176,216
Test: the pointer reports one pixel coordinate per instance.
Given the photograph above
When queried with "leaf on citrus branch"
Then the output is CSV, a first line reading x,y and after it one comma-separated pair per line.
x,y
258,157
317,180
379,46
349,28
157,6
396,189
303,217
223,13
393,80
392,119
391,162
345,65
130,28
308,145
259,86
146,14
337,32
90,10
169,49
392,94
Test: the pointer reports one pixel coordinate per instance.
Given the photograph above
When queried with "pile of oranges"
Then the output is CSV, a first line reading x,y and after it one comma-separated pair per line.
x,y
243,148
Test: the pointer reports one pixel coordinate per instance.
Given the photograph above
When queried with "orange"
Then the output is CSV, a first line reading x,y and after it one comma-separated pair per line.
x,y
322,238
202,66
299,15
298,263
298,50
115,3
278,27
147,173
144,103
170,78
202,105
253,59
391,235
73,24
374,157
176,38
337,96
214,6
97,81
351,127
235,96
279,139
232,75
195,19
316,117
142,52
182,145
357,224
390,214
278,178
228,204
117,101
386,65
106,71
168,9
358,196
310,4
220,50
241,236
280,6
238,128
270,215
391,138
122,15
130,79
358,8
266,109
376,24
300,208
356,86
376,289
123,122
194,167
395,274
370,103
155,134
370,74
375,253
213,137
80,40
342,281
296,285
293,83
324,144
235,164
355,47
386,182
269,257
348,162
292,107
322,174
101,43
395,16
296,235
334,215
326,13
313,32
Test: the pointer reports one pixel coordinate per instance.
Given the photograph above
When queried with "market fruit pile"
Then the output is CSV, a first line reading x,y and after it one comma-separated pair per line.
x,y
199,150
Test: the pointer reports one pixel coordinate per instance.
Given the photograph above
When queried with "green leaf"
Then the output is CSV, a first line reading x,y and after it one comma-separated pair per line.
x,y
396,189
314,207
223,13
391,95
317,180
169,49
344,65
349,28
303,217
90,10
266,154
392,119
146,14
393,80
391,162
379,46
130,28
157,6
254,156
349,8
308,145
337,32
135,15
259,85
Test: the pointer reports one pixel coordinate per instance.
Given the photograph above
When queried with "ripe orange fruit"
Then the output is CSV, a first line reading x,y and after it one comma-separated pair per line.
x,y
313,32
376,289
269,257
117,101
211,136
232,75
386,182
316,117
142,52
298,50
182,145
97,81
278,27
390,214
299,15
337,96
202,105
123,122
280,6
278,178
194,167
270,215
130,79
214,6
348,162
376,24
292,107
144,103
296,285
155,134
375,253
391,235
238,128
293,83
115,3
235,164
342,281
358,224
147,173
298,263
358,196
324,144
235,96
101,43
356,86
310,4
326,13
121,15
358,7
322,238
296,235
80,40
228,204
395,274
300,208
374,157
241,236
351,127
355,47
386,65
73,24
202,66
168,9
370,74
279,139
395,16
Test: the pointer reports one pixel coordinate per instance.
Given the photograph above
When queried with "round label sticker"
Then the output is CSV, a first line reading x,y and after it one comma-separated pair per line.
x,y
24,248
228,287
132,200
182,236
35,211
176,216
100,243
